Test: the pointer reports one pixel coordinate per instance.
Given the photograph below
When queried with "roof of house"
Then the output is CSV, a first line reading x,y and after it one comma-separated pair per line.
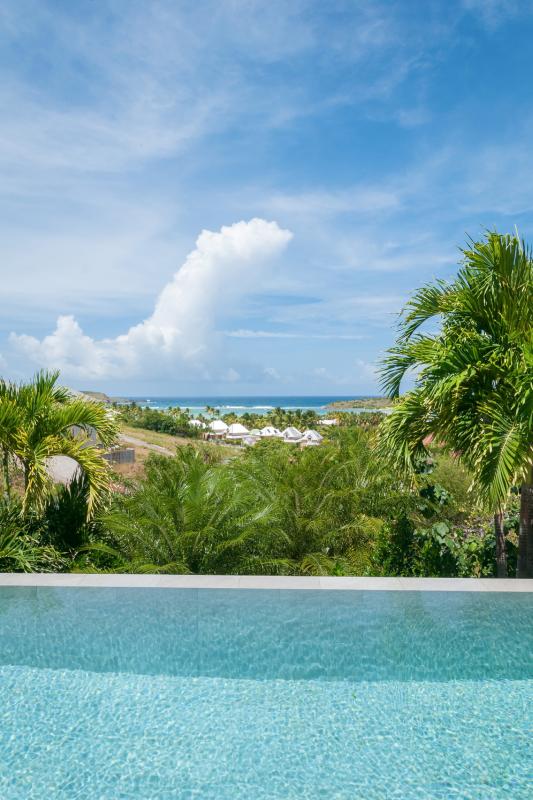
x,y
218,426
236,429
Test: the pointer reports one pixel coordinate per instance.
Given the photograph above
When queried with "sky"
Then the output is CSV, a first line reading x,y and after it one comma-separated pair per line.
x,y
237,197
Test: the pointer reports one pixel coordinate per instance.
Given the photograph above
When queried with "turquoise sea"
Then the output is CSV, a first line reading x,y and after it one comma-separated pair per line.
x,y
239,405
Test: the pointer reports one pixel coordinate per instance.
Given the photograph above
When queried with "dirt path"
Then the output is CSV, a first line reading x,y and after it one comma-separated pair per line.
x,y
157,448
63,469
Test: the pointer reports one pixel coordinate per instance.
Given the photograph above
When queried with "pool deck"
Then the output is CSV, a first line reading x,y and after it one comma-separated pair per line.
x,y
265,582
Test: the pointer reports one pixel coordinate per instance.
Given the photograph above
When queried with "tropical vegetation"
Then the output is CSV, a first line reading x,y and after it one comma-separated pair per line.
x,y
473,391
41,420
334,510
337,509
173,421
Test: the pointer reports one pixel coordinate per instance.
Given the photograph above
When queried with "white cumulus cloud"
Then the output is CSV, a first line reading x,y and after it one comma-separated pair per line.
x,y
180,333
272,373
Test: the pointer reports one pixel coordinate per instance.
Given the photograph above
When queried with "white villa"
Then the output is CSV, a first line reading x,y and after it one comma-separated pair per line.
x,y
269,432
291,434
218,427
236,431
312,437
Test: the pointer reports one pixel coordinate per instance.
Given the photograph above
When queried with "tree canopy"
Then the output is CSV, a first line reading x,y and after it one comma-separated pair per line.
x,y
473,384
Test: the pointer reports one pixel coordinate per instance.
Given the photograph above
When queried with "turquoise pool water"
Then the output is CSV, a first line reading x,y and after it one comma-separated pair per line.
x,y
121,694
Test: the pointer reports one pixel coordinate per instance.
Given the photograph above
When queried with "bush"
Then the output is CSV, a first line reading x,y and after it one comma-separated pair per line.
x,y
439,550
23,546
171,421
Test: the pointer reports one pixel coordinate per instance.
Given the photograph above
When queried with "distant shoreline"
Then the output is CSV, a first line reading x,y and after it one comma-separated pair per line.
x,y
252,404
364,402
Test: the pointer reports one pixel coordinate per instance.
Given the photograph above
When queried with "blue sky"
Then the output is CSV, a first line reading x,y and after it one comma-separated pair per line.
x,y
238,197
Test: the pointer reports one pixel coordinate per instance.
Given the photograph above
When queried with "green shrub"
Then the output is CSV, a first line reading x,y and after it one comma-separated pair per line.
x,y
23,546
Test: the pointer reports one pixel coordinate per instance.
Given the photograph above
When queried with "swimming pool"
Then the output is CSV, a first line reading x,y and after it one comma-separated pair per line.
x,y
160,693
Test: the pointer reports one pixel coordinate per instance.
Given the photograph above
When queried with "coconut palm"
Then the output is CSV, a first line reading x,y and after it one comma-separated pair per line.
x,y
474,379
39,420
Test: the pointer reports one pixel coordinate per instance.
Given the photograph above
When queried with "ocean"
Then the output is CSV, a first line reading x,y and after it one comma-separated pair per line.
x,y
240,405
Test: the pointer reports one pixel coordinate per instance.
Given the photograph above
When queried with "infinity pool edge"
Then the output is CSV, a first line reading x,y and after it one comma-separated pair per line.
x,y
266,582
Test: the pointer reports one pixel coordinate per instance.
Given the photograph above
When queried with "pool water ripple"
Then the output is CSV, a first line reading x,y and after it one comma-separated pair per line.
x,y
115,694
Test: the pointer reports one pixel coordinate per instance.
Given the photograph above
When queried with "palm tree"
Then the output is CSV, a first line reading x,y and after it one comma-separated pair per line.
x,y
39,420
317,522
187,515
10,424
273,511
474,379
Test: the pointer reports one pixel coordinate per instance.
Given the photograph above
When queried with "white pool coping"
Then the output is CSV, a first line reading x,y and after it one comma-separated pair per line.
x,y
265,582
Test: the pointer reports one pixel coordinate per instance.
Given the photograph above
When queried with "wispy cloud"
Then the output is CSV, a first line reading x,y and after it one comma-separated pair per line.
x,y
140,84
493,13
363,200
244,333
354,372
